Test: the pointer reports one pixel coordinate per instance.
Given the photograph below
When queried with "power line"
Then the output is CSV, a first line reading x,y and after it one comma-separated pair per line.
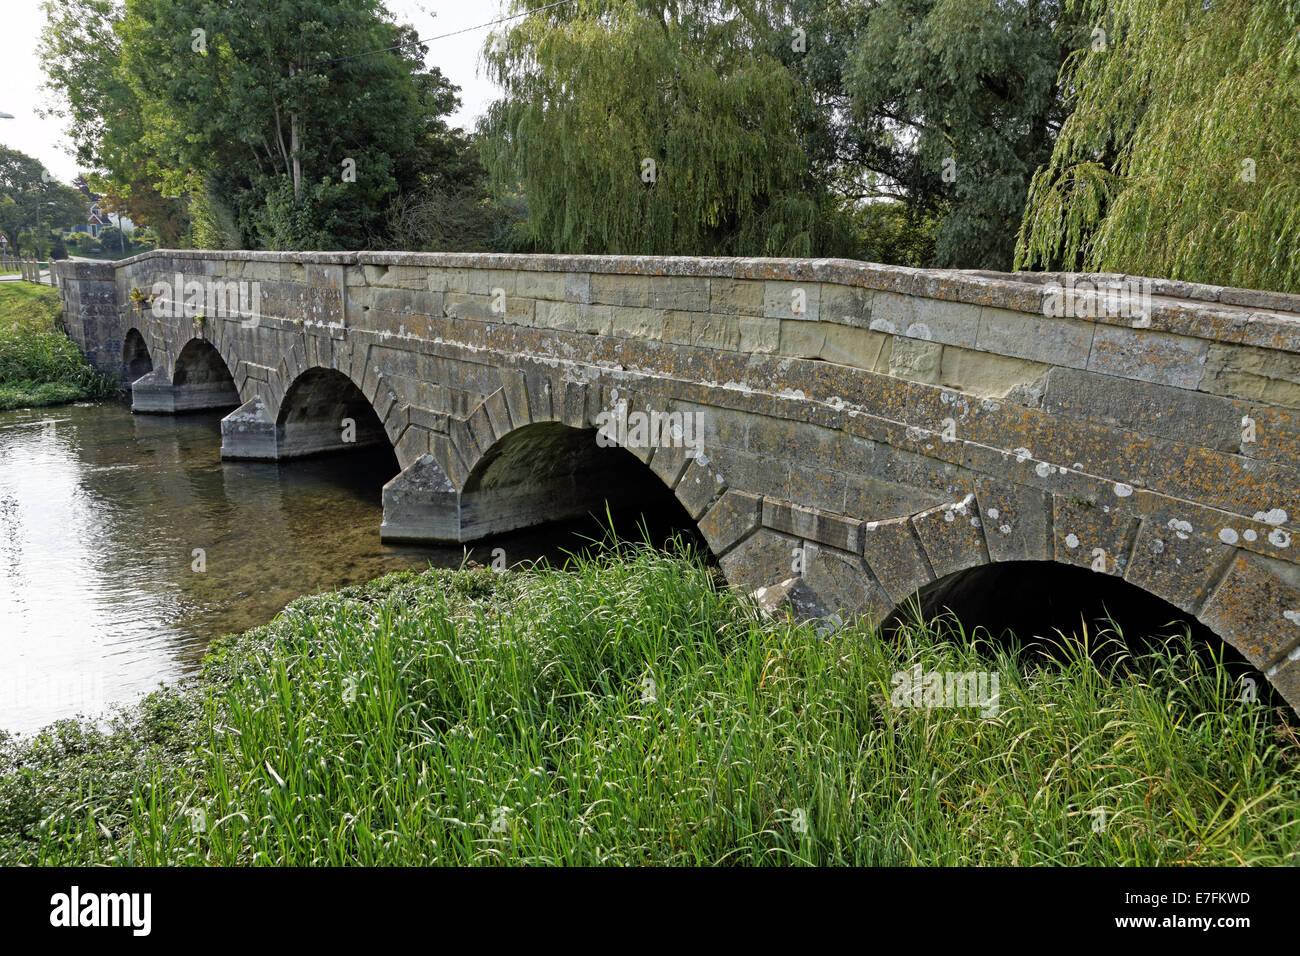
x,y
442,36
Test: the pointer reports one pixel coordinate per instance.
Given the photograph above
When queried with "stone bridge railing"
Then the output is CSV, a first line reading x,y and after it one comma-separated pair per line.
x,y
871,430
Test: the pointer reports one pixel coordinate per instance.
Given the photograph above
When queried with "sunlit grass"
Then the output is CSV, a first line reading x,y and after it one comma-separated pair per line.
x,y
39,365
628,711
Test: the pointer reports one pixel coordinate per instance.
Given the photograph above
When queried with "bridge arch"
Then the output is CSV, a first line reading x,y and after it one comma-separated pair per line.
x,y
1041,603
202,377
323,410
1004,556
1038,598
136,359
200,380
549,471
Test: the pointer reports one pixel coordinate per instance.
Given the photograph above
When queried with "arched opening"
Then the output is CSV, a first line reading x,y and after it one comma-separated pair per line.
x,y
135,356
1038,606
201,379
548,473
323,411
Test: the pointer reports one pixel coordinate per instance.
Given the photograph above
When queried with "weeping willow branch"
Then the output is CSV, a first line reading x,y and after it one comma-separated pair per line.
x,y
1182,155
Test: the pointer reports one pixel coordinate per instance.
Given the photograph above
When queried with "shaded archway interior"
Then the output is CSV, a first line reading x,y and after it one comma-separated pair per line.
x,y
549,473
201,364
200,381
324,411
1035,603
135,356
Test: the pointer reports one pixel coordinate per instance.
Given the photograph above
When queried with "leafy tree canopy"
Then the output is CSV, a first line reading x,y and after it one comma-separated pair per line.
x,y
945,105
81,53
1182,155
28,197
656,126
282,123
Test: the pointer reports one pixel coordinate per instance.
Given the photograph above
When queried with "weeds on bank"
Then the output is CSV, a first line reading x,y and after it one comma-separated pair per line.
x,y
627,711
39,365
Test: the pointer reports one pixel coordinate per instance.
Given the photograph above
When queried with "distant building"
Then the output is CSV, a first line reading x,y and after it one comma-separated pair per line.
x,y
96,217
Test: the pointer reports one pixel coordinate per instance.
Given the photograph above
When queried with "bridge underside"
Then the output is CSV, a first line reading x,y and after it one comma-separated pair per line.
x,y
548,472
323,412
866,431
201,382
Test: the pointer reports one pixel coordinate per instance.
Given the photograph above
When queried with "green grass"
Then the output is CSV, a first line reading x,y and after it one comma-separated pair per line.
x,y
472,717
39,365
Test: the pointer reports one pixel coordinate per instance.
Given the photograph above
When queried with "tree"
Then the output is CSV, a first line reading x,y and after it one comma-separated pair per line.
x,y
112,239
81,54
297,117
897,232
447,205
31,198
655,126
279,123
1182,155
950,106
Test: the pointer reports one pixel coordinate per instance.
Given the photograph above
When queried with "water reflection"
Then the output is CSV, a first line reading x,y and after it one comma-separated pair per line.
x,y
103,518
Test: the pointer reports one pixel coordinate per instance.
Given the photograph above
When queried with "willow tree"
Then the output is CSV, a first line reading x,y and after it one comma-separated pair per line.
x,y
1182,155
656,127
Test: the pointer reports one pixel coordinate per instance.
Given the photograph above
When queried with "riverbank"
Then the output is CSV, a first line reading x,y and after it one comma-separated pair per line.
x,y
628,711
39,365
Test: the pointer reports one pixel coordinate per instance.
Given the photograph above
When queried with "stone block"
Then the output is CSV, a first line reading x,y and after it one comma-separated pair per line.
x,y
895,557
1173,413
1148,356
731,518
792,300
827,528
987,375
1017,521
1263,375
916,360
762,559
623,291
1175,564
953,536
540,285
736,296
700,484
1092,535
679,293
1054,341
844,584
846,305
1255,611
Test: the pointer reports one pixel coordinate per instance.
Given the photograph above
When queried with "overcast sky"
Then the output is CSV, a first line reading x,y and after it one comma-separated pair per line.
x,y
21,78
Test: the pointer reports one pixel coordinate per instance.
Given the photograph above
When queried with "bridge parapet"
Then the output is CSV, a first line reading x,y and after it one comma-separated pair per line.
x,y
870,429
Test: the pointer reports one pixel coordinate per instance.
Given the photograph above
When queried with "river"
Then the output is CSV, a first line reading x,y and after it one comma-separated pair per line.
x,y
127,545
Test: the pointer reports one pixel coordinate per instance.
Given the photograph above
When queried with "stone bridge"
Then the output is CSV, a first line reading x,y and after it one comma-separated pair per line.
x,y
870,430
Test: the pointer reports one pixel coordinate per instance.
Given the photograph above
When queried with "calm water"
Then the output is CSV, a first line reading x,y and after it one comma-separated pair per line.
x,y
100,515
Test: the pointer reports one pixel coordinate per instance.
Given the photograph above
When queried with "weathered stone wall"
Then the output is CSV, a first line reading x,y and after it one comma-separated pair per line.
x,y
872,428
